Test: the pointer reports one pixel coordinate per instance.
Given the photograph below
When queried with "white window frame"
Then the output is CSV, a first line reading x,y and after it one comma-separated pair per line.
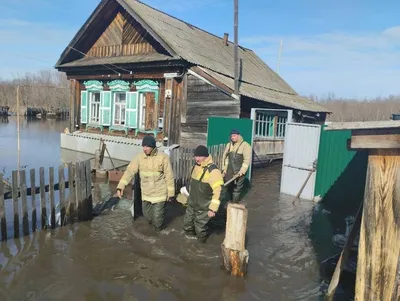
x,y
90,102
122,115
142,111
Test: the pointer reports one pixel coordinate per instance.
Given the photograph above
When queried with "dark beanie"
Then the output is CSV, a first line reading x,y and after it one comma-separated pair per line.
x,y
149,141
201,151
235,131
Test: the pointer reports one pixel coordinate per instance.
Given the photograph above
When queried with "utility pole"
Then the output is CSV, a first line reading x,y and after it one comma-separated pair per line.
x,y
18,141
279,57
236,54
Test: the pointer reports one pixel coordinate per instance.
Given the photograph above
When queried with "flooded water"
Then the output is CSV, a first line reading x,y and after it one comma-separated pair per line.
x,y
116,258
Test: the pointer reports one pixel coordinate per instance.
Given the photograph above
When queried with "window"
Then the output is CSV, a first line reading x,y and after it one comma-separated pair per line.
x,y
94,107
119,108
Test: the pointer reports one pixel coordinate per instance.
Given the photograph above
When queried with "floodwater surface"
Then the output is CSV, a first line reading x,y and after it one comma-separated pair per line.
x,y
115,258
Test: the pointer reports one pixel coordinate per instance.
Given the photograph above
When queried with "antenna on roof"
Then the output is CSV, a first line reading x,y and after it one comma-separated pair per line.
x,y
279,57
236,56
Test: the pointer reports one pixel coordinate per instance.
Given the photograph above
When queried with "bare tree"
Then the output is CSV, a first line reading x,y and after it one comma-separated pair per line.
x,y
344,109
44,89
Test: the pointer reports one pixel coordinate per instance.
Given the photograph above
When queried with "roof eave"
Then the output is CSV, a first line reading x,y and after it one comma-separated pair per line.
x,y
81,31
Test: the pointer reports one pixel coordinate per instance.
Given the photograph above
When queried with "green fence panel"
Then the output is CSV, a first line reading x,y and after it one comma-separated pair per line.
x,y
341,173
219,129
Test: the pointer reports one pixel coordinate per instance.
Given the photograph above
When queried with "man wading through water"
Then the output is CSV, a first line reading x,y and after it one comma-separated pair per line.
x,y
204,194
156,181
237,159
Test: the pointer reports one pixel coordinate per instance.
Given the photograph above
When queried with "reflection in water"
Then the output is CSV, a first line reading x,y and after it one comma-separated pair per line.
x,y
40,143
116,258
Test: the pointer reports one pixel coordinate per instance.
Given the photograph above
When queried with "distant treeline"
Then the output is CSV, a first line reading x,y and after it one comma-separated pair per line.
x,y
344,109
45,89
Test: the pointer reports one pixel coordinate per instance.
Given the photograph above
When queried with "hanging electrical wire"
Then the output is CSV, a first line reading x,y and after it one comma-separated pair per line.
x,y
86,55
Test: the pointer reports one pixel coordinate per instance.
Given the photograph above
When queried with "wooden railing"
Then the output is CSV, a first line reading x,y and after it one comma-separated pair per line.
x,y
74,199
182,160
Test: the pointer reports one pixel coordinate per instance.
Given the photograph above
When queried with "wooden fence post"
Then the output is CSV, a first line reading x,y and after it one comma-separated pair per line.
x,y
61,187
78,190
235,256
22,188
379,247
71,195
43,199
3,222
82,185
52,201
33,200
88,200
15,202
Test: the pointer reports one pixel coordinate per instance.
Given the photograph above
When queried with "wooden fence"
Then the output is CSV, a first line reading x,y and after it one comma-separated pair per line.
x,y
182,160
77,205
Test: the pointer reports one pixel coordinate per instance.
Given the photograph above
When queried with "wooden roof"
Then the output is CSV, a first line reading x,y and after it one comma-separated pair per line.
x,y
184,41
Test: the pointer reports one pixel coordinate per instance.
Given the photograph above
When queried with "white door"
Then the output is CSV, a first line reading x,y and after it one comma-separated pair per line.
x,y
299,157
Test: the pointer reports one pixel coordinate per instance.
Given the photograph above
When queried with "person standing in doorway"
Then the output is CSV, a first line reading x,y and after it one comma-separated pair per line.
x,y
204,194
237,159
156,181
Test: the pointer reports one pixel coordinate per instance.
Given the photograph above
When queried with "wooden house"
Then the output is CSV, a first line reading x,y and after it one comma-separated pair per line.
x,y
135,70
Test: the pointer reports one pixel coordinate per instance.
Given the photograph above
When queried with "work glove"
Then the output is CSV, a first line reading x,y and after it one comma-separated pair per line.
x,y
184,191
120,192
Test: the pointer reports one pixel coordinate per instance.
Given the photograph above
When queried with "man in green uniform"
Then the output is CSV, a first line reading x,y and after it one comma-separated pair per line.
x,y
204,193
156,181
237,159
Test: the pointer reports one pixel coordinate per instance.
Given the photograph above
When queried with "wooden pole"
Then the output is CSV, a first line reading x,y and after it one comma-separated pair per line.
x,y
236,50
379,246
344,256
18,140
235,256
303,186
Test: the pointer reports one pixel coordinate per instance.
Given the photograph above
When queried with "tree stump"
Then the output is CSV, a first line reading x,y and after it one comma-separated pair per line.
x,y
234,253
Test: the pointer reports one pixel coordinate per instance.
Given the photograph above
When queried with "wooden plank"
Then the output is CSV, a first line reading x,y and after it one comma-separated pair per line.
x,y
43,199
88,201
344,256
379,245
370,139
61,180
24,201
234,253
3,221
33,200
15,202
78,194
52,199
83,181
71,193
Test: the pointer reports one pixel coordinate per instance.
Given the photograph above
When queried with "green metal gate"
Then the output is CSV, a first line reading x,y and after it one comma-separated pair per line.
x,y
219,129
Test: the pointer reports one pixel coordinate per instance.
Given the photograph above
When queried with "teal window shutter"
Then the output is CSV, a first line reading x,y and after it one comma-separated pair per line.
x,y
84,106
105,108
131,111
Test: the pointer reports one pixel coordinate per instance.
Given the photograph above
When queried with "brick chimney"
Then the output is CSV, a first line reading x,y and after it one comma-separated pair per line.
x,y
226,35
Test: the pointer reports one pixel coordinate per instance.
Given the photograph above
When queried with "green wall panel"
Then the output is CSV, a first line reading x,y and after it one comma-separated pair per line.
x,y
341,173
